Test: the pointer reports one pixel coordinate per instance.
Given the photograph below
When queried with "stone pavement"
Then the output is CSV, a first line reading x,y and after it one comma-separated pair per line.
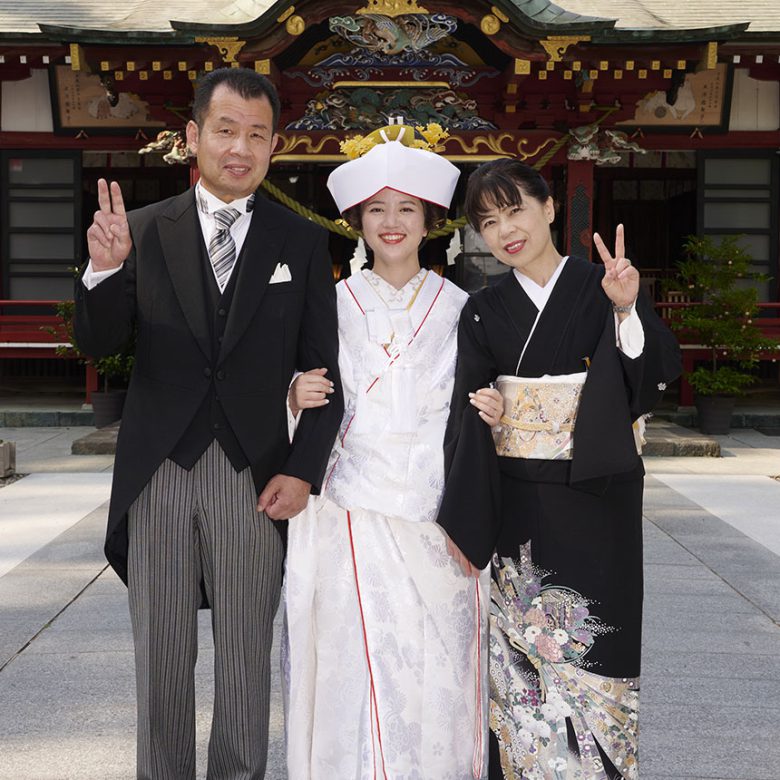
x,y
711,665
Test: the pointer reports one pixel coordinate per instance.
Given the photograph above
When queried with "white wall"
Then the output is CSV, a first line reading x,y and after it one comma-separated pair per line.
x,y
755,105
26,105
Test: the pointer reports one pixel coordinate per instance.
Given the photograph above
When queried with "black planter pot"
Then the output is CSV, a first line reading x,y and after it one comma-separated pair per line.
x,y
714,413
107,407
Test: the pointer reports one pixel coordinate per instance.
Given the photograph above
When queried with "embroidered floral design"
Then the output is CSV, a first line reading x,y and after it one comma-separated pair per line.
x,y
540,636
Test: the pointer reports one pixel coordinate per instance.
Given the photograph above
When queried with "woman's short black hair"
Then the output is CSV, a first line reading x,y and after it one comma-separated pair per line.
x,y
502,183
244,82
434,216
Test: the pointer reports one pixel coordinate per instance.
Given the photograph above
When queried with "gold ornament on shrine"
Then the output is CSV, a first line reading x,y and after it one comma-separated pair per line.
x,y
490,24
295,25
228,47
556,45
392,7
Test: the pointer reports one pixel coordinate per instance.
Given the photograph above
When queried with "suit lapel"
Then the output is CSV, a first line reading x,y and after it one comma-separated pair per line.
x,y
261,252
182,244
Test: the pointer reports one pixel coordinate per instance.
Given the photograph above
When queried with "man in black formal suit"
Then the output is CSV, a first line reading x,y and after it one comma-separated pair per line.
x,y
228,294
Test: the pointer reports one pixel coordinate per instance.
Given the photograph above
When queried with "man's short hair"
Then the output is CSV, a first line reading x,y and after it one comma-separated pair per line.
x,y
244,82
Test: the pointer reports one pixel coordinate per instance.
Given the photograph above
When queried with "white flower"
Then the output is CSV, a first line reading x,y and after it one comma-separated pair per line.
x,y
531,633
543,730
662,386
557,763
476,318
527,721
555,700
564,710
537,602
550,711
526,737
560,636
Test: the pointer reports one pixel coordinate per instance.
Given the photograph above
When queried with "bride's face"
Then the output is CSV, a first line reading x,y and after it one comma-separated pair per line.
x,y
393,226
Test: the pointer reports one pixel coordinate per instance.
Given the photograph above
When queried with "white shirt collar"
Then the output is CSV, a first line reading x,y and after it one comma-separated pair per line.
x,y
209,203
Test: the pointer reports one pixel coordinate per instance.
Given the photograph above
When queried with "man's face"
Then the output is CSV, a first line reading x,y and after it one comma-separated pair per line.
x,y
234,144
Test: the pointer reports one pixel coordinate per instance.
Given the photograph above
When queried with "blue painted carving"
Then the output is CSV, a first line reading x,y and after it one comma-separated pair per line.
x,y
411,65
368,109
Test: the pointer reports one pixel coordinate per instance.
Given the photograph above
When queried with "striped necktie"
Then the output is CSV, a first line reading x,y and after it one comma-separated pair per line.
x,y
222,247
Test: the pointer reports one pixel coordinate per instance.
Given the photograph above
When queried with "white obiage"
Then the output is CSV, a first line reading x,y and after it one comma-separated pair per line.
x,y
385,669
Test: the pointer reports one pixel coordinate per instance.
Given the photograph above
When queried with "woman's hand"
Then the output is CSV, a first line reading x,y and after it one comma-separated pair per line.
x,y
621,280
489,403
468,568
309,390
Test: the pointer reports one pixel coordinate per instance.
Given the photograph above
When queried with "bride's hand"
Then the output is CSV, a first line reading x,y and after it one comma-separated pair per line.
x,y
489,403
309,390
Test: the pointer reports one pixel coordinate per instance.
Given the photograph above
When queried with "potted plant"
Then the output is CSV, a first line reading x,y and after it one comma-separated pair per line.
x,y
715,274
115,369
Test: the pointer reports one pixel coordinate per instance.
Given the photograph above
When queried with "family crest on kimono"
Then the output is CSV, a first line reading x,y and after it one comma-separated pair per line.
x,y
385,668
554,497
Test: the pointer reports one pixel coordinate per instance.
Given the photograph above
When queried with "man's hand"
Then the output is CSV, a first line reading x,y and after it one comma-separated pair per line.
x,y
108,237
283,497
468,568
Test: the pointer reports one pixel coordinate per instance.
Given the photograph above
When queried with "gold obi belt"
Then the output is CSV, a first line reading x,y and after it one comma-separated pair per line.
x,y
539,416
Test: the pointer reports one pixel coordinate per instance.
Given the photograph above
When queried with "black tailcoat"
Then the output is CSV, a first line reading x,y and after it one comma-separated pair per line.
x,y
271,330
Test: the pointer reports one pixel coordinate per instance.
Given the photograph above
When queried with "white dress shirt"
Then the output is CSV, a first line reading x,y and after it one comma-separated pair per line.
x,y
207,204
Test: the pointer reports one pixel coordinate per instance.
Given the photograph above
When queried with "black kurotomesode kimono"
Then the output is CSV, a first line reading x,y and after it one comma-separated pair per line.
x,y
567,572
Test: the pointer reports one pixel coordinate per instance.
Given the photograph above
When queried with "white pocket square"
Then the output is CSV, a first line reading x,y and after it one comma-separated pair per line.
x,y
281,274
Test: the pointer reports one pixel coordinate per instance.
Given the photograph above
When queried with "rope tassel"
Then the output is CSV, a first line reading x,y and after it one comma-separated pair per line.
x,y
455,247
359,259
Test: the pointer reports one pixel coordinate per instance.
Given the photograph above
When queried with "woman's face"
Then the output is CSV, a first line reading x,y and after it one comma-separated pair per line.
x,y
519,236
393,226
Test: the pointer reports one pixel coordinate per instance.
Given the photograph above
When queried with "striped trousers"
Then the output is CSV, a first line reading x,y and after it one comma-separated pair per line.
x,y
188,526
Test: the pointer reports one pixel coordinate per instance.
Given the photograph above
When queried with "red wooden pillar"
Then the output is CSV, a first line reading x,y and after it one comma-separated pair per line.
x,y
579,208
91,382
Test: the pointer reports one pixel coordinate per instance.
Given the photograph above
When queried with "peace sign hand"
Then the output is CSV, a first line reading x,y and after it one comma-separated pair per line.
x,y
108,237
621,280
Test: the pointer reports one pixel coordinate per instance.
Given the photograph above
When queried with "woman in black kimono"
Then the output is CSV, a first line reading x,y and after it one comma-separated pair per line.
x,y
559,507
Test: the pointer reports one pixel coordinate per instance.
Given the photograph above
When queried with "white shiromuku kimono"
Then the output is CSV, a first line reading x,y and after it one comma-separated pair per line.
x,y
385,663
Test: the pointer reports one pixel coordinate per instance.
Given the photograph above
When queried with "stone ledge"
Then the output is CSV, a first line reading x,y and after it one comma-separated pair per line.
x,y
45,418
665,440
99,442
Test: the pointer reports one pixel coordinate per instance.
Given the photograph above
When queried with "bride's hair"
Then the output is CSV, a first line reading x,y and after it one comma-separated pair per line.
x,y
435,216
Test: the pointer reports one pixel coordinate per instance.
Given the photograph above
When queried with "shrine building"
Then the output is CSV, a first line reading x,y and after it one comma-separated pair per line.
x,y
660,115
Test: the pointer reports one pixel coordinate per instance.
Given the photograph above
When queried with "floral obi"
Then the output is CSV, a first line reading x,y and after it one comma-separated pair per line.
x,y
539,416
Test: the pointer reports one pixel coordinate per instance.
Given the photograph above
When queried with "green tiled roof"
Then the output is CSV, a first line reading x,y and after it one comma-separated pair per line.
x,y
608,20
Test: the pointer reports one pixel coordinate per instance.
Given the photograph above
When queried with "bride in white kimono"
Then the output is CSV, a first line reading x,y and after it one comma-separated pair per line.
x,y
385,670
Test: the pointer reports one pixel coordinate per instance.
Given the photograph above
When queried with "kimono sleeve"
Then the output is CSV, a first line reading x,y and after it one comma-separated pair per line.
x,y
659,364
470,507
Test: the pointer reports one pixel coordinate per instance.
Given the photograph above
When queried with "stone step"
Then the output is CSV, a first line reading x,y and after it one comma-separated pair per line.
x,y
99,442
46,418
664,439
